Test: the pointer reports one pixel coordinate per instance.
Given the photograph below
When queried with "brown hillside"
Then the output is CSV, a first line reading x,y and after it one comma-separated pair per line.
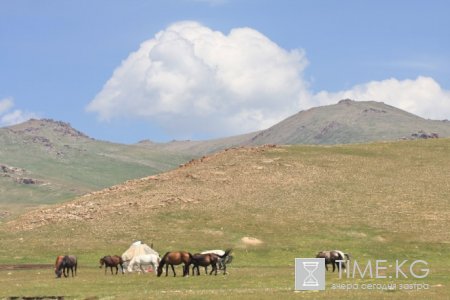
x,y
393,187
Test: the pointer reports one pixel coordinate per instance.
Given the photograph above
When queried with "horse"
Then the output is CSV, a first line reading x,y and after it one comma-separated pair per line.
x,y
112,261
175,258
207,258
222,261
331,257
64,264
137,248
145,259
58,271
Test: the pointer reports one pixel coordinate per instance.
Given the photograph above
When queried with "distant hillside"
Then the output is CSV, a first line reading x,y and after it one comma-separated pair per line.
x,y
346,122
351,122
44,161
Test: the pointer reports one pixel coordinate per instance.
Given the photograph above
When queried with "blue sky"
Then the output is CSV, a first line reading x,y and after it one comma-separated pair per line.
x,y
72,61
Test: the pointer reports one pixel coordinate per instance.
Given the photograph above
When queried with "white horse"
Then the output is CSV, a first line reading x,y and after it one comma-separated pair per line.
x,y
144,260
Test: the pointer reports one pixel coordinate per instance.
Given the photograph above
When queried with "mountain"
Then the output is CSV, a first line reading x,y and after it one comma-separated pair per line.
x,y
350,122
346,122
45,161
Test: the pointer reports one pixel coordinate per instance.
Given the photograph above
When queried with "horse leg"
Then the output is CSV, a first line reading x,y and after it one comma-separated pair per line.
x,y
167,269
186,270
173,270
326,266
117,269
214,268
224,269
142,269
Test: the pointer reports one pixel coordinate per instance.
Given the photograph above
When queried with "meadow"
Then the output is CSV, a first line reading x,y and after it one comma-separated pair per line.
x,y
376,201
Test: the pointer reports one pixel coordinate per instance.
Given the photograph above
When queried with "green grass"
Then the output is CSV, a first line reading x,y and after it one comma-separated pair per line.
x,y
377,201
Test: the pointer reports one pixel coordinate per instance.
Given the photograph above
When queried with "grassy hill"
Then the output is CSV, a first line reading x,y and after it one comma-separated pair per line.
x,y
376,201
346,122
43,162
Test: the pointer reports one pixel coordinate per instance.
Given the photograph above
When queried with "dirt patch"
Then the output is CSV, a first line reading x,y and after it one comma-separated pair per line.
x,y
36,298
251,241
25,266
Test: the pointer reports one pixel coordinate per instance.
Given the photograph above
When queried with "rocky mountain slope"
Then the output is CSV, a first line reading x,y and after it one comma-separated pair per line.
x,y
45,161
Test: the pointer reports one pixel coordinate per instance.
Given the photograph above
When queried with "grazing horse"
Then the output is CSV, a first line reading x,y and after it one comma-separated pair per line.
x,y
64,264
112,262
332,257
212,259
143,260
175,258
222,262
58,269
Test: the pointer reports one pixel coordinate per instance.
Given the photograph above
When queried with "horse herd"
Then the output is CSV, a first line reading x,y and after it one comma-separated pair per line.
x,y
217,259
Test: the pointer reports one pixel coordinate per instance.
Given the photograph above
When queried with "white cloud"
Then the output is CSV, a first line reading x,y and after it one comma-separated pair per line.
x,y
191,80
422,96
10,117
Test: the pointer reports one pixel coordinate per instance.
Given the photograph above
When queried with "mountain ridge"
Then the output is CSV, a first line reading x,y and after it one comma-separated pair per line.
x,y
346,122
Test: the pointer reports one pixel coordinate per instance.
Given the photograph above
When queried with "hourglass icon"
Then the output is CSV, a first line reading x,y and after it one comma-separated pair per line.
x,y
310,267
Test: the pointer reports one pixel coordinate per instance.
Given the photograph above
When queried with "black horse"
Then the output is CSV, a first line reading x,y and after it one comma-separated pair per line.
x,y
209,259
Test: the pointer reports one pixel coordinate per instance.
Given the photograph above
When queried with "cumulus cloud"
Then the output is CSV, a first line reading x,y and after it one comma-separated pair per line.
x,y
190,79
9,117
422,96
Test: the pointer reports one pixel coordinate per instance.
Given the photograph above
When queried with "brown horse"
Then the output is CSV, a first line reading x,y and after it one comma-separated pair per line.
x,y
209,259
332,257
175,258
112,262
58,263
66,263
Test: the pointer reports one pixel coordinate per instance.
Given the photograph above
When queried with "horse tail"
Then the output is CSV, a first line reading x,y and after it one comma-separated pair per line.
x,y
227,252
76,265
347,256
191,257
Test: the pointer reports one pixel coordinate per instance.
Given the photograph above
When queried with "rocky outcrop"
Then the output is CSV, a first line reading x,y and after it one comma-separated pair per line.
x,y
424,135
